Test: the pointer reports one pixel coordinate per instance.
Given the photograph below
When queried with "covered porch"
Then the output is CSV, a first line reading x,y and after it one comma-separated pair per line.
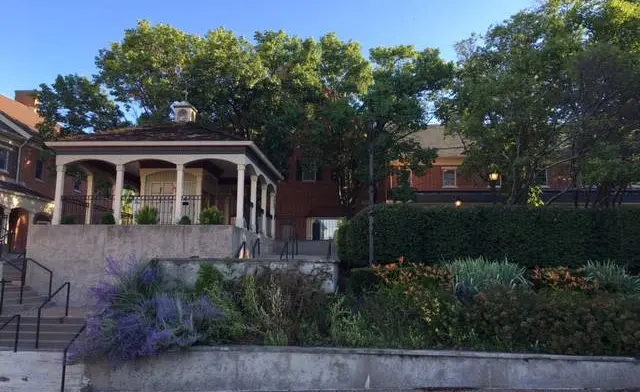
x,y
179,177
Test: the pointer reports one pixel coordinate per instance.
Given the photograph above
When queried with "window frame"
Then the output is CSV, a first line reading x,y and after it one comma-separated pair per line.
x,y
314,171
455,177
39,162
7,150
546,179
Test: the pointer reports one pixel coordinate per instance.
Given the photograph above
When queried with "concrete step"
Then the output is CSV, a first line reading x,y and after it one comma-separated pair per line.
x,y
7,344
45,333
26,328
76,321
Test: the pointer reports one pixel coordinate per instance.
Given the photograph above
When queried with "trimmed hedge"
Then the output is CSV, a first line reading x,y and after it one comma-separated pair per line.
x,y
544,237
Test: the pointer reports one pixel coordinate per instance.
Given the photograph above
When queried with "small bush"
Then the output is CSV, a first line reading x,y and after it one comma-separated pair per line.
x,y
362,280
185,220
561,278
477,274
147,216
611,277
108,219
68,220
211,216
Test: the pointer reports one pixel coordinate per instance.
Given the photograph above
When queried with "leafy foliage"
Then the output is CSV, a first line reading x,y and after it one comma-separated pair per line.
x,y
147,216
211,216
108,219
135,317
68,220
478,274
611,277
74,104
530,237
185,220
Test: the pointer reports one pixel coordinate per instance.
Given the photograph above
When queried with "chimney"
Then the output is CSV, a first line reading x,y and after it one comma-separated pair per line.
x,y
184,112
27,97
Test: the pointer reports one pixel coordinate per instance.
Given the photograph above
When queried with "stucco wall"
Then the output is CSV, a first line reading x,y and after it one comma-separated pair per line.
x,y
76,253
296,368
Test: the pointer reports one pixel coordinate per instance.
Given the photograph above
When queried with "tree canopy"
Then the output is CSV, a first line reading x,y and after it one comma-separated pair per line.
x,y
278,90
556,86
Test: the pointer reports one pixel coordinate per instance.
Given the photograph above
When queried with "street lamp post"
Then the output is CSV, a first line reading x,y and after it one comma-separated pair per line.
x,y
493,180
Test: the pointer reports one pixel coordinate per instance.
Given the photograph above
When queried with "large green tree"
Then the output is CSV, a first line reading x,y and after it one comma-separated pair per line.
x,y
74,104
384,100
545,89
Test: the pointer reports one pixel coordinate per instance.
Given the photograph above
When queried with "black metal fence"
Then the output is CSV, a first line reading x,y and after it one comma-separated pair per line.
x,y
76,208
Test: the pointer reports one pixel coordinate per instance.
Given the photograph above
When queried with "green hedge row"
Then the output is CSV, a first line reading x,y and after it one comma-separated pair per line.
x,y
544,237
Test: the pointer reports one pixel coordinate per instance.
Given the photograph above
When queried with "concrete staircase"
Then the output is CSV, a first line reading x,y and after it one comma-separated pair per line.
x,y
56,330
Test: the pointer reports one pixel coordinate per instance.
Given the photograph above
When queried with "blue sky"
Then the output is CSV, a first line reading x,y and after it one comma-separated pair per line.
x,y
43,38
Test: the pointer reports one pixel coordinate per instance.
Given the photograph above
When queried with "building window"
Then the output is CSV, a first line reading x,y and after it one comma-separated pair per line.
x,y
77,183
322,228
39,169
542,178
4,159
449,177
308,172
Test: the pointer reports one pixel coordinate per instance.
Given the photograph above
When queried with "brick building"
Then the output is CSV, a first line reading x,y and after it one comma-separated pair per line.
x,y
27,171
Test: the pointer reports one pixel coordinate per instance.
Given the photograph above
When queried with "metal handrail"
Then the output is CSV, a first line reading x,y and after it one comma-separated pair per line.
x,y
2,237
242,246
2,283
66,351
66,309
286,253
253,248
329,250
24,276
20,256
15,342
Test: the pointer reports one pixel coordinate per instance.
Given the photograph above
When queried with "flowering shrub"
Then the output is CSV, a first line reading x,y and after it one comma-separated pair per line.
x,y
561,278
135,318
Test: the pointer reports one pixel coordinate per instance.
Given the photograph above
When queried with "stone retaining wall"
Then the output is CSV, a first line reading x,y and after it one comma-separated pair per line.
x,y
76,253
296,369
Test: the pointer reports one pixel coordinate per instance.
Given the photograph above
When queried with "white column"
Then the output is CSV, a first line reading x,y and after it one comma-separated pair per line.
x,y
254,201
263,205
272,199
57,199
240,197
6,227
177,208
88,213
117,195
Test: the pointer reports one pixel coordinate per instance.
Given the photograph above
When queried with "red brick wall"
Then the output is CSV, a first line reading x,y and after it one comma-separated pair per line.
x,y
558,178
47,185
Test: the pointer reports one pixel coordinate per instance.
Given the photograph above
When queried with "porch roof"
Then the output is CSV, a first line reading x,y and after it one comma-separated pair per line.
x,y
174,142
189,131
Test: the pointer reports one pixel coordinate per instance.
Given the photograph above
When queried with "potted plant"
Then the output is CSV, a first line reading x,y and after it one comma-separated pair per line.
x,y
211,216
147,216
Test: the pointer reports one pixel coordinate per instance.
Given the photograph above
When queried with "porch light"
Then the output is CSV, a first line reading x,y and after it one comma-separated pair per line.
x,y
494,176
458,203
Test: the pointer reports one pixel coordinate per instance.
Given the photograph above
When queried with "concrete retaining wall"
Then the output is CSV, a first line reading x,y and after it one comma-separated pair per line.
x,y
77,253
276,368
180,271
38,371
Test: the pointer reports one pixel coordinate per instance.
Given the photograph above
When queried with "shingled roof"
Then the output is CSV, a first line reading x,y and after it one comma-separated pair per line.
x,y
189,131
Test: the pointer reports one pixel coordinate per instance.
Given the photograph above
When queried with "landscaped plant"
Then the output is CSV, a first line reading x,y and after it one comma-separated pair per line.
x,y
147,216
108,219
68,220
185,220
561,278
135,317
211,216
477,274
611,277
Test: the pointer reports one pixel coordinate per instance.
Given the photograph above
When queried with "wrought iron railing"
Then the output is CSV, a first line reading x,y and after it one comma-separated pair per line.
x,y
76,208
66,352
290,249
46,301
164,205
17,333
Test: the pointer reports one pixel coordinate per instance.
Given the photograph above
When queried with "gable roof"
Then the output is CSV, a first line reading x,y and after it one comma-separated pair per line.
x,y
189,131
24,116
435,137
